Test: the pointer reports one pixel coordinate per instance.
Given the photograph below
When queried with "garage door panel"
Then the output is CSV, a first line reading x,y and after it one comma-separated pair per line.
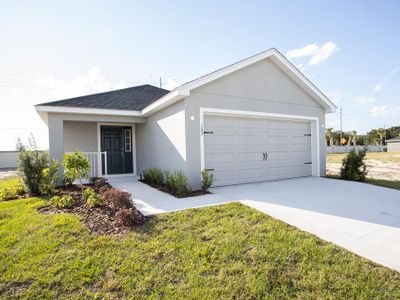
x,y
235,149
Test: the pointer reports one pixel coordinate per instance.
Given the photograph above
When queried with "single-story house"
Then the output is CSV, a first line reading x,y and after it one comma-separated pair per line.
x,y
255,120
393,145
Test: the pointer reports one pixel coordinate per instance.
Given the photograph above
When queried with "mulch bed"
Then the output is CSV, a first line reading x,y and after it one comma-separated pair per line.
x,y
164,189
99,220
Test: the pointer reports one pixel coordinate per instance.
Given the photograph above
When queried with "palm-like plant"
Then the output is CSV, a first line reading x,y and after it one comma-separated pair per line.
x,y
329,135
382,133
354,135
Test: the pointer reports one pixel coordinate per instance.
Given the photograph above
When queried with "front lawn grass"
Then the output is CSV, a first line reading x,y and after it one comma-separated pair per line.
x,y
227,251
380,182
382,156
9,183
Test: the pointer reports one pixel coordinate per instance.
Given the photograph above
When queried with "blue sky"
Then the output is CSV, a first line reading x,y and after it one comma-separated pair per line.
x,y
56,49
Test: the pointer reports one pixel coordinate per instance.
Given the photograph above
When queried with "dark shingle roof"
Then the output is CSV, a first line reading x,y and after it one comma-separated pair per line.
x,y
396,139
133,98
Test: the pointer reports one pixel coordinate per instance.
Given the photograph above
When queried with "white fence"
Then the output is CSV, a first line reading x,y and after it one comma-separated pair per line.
x,y
95,163
345,149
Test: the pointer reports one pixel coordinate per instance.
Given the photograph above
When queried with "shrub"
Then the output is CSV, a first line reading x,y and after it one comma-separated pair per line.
x,y
91,198
104,188
31,167
99,182
76,166
20,189
353,166
177,183
49,179
116,198
129,217
7,194
65,201
206,180
153,176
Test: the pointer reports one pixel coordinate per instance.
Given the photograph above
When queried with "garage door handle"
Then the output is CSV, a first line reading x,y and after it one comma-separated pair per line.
x,y
208,170
265,156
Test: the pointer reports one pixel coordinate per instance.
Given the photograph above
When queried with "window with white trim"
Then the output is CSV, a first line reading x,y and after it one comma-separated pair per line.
x,y
128,140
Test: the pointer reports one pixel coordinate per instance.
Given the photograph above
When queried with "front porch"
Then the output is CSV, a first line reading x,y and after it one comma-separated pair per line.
x,y
109,146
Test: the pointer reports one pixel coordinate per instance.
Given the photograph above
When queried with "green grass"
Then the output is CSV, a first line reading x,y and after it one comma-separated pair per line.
x,y
227,251
380,182
383,156
9,183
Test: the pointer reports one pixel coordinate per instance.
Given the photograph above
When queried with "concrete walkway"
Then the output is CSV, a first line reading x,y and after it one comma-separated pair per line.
x,y
362,218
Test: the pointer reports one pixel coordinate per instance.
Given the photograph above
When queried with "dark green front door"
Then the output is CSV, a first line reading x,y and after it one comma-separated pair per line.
x,y
117,142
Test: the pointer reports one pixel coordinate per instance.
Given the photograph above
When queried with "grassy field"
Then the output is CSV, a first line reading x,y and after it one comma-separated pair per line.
x,y
380,182
8,182
383,156
227,251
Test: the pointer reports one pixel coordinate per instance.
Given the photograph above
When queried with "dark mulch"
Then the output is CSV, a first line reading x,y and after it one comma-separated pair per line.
x,y
99,220
163,188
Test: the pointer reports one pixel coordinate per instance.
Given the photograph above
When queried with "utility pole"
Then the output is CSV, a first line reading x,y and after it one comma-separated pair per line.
x,y
341,125
160,82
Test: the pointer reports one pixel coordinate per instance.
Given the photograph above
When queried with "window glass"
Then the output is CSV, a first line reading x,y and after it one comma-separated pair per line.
x,y
128,142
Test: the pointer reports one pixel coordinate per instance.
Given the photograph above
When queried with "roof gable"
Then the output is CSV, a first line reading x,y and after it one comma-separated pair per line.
x,y
275,56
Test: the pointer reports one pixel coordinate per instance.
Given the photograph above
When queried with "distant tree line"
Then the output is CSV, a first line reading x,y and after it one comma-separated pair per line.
x,y
351,138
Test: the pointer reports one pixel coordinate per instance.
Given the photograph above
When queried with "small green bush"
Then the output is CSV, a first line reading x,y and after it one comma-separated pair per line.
x,y
49,179
65,201
8,194
177,183
37,170
76,166
92,198
206,180
153,176
20,189
353,166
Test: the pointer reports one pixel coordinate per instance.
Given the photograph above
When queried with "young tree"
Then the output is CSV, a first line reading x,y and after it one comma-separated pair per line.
x,y
76,166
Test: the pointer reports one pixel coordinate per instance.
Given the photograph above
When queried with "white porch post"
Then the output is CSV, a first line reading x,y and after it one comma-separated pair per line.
x,y
56,140
134,149
99,166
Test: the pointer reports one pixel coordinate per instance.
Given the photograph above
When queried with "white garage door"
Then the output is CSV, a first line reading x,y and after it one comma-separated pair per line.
x,y
239,150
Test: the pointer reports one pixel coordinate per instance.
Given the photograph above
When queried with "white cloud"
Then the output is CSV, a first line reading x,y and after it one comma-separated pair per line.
x,y
301,67
379,86
18,116
92,82
363,100
379,111
317,53
170,84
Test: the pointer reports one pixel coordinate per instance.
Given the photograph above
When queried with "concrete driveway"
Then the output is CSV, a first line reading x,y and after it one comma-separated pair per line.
x,y
362,218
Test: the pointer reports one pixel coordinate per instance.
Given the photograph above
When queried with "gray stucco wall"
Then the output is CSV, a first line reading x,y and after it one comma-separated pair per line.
x,y
393,147
80,136
261,87
161,140
78,132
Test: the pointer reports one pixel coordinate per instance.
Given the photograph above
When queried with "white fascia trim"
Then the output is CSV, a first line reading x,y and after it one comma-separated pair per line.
x,y
89,111
170,98
315,139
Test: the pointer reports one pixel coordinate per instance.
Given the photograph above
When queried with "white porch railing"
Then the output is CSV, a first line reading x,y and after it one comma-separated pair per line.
x,y
95,163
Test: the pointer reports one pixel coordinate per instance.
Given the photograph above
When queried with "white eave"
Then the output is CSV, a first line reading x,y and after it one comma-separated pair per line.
x,y
89,111
185,89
